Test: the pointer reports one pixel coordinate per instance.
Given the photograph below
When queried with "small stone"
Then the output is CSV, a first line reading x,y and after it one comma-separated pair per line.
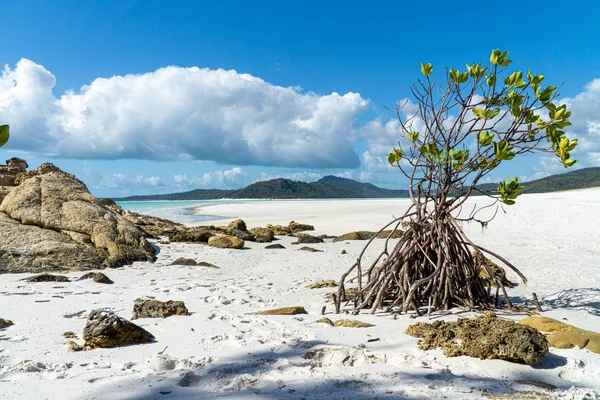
x,y
226,242
324,320
343,252
207,264
47,278
275,246
70,335
323,284
105,329
158,309
72,346
282,311
310,249
351,323
184,261
97,277
5,323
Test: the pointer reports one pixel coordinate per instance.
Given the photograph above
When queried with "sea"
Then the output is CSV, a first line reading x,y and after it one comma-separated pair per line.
x,y
184,211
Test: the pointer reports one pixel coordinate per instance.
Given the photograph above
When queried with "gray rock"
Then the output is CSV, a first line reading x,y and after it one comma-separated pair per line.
x,y
184,261
305,238
275,246
47,278
240,234
105,329
262,235
158,309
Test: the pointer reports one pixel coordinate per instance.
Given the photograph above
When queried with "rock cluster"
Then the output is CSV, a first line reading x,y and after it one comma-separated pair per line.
x,y
50,221
367,235
484,337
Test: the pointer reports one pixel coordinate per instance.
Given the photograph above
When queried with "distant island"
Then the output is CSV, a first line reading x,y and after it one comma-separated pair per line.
x,y
334,187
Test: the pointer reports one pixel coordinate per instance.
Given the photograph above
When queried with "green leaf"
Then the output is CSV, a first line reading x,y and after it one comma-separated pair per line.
x,y
426,69
413,136
4,134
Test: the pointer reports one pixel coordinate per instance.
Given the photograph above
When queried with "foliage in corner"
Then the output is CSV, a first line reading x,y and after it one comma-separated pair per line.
x,y
4,134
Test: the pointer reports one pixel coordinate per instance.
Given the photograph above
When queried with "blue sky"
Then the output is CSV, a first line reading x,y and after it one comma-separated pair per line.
x,y
162,96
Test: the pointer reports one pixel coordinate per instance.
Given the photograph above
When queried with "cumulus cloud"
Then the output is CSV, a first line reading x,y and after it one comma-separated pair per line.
x,y
218,178
180,113
122,181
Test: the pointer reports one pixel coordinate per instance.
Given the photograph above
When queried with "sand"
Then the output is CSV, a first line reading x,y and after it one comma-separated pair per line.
x,y
219,351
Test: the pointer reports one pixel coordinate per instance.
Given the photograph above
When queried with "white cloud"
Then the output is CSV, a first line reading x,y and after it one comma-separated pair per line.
x,y
217,178
180,113
122,181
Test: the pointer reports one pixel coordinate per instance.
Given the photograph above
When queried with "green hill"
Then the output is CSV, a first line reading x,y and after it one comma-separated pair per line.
x,y
366,189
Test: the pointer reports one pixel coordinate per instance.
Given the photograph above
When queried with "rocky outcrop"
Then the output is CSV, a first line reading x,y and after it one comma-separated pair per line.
x,y
240,234
280,230
564,336
226,242
238,224
153,227
105,329
97,277
158,309
50,221
484,337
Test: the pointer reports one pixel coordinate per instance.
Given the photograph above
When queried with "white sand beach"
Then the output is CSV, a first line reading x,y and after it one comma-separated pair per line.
x,y
218,351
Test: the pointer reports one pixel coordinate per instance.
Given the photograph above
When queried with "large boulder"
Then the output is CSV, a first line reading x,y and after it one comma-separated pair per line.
x,y
226,242
51,221
240,234
484,337
238,224
105,329
564,336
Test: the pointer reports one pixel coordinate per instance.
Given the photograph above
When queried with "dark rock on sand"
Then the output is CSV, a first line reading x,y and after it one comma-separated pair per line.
x,y
240,234
484,337
5,323
184,261
97,277
158,309
275,246
305,238
49,221
105,329
262,235
47,278
193,235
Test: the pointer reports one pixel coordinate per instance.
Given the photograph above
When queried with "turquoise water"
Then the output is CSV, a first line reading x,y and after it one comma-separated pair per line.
x,y
183,210
179,211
